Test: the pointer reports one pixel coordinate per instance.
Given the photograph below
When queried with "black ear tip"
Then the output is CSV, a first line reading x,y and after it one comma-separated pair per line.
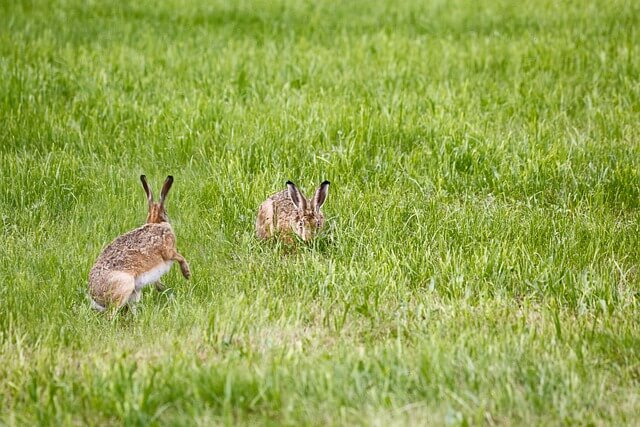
x,y
290,183
143,178
325,182
170,178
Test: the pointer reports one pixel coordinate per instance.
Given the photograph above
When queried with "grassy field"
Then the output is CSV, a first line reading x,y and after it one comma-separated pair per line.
x,y
480,264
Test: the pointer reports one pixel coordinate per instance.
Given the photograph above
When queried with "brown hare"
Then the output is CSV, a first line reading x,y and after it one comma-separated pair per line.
x,y
289,212
136,258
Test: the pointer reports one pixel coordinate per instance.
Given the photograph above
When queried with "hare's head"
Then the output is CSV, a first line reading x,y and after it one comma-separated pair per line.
x,y
157,212
308,218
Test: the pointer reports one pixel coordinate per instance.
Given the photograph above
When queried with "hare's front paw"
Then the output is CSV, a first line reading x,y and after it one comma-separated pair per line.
x,y
186,272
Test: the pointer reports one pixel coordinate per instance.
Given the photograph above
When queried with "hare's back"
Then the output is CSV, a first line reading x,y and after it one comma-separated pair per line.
x,y
143,242
282,203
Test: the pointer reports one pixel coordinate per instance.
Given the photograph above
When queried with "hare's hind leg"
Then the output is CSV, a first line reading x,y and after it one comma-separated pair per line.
x,y
133,300
122,286
264,221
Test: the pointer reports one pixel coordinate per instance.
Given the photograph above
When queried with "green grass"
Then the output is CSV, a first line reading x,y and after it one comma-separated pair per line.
x,y
480,265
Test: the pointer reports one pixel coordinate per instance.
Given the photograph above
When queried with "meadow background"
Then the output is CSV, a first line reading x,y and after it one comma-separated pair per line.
x,y
480,264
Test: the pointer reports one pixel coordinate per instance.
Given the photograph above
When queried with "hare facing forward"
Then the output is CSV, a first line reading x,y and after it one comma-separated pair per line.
x,y
289,212
136,258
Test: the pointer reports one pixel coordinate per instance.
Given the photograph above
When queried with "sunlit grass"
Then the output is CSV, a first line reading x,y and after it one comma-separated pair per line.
x,y
480,264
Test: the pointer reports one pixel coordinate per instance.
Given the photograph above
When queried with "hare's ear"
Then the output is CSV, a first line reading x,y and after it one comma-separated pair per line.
x,y
165,189
147,190
296,196
320,196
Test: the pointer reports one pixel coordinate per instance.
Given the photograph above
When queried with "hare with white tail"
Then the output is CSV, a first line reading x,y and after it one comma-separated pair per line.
x,y
136,258
289,212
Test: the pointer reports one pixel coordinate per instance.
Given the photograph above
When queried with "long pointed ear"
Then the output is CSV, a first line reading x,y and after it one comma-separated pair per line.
x,y
147,190
320,196
165,188
296,196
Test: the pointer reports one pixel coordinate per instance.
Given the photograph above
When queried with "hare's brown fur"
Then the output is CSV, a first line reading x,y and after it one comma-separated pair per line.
x,y
280,215
136,258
